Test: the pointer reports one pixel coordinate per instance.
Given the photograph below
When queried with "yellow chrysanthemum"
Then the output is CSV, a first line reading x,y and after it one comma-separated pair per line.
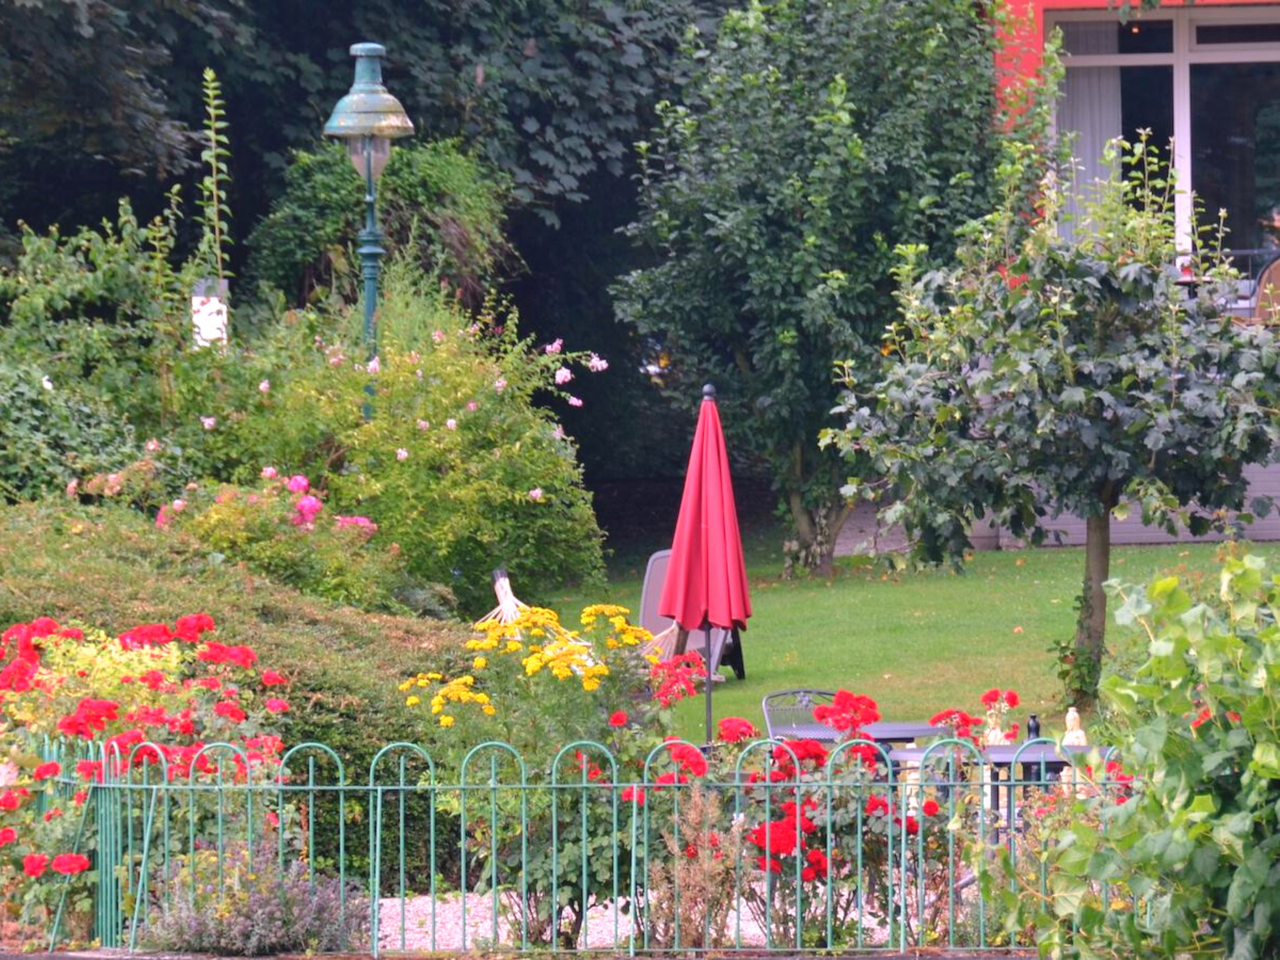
x,y
412,701
446,721
479,663
489,709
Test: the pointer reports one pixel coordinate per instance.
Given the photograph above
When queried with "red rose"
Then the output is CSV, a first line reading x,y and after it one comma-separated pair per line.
x,y
1011,698
33,864
272,679
633,793
735,729
930,808
229,710
70,863
991,697
52,814
276,705
8,835
618,718
46,770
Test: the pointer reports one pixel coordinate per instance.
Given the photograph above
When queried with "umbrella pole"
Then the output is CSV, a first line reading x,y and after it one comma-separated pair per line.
x,y
706,637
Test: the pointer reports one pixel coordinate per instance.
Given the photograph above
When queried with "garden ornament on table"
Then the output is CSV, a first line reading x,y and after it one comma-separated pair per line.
x,y
1075,735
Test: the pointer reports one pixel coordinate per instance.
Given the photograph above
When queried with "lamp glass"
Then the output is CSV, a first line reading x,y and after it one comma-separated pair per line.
x,y
379,152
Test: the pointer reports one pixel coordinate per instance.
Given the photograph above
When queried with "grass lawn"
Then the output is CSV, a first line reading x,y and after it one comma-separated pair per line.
x,y
916,642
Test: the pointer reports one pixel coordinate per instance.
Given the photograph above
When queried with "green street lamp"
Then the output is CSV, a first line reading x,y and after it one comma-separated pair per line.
x,y
368,118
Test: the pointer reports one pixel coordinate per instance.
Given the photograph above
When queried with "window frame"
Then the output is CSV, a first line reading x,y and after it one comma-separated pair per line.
x,y
1186,54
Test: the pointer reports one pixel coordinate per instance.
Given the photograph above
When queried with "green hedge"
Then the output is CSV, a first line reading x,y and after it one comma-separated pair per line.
x,y
110,566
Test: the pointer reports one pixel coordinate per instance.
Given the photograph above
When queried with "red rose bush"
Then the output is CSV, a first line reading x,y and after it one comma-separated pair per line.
x,y
80,707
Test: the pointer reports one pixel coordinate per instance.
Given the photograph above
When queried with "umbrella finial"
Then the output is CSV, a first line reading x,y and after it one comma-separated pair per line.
x,y
708,391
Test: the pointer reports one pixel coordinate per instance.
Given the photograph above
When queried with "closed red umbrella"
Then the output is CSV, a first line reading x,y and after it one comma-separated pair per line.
x,y
706,584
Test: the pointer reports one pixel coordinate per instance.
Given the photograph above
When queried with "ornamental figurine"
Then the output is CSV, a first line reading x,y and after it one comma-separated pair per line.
x,y
1075,735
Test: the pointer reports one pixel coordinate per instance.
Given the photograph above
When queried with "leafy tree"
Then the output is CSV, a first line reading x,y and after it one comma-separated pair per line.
x,y
804,147
1046,375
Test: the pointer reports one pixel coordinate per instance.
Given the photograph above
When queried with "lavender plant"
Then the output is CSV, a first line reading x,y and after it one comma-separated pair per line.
x,y
258,907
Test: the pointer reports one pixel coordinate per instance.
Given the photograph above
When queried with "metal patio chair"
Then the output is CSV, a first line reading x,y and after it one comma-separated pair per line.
x,y
788,714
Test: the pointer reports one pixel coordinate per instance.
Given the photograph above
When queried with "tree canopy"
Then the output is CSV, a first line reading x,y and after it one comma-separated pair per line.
x,y
1047,374
802,149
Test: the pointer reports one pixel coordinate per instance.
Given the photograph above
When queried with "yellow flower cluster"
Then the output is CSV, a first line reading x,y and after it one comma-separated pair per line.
x,y
544,644
564,658
458,690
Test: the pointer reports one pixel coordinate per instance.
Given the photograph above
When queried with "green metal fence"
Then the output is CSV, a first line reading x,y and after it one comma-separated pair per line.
x,y
585,851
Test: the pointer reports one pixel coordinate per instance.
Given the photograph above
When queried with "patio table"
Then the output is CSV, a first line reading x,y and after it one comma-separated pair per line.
x,y
882,731
1040,760
902,731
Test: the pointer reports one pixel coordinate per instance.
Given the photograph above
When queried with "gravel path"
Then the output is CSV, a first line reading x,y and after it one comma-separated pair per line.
x,y
448,925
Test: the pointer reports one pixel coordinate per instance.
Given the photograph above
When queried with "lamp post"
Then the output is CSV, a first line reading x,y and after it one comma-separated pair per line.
x,y
368,118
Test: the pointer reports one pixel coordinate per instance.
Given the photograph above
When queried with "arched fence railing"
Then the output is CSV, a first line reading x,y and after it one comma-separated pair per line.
x,y
768,846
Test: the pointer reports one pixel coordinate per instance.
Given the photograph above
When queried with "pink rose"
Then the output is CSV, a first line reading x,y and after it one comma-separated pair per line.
x,y
597,364
402,453
264,386
298,484
269,473
575,402
374,366
535,494
563,376
555,346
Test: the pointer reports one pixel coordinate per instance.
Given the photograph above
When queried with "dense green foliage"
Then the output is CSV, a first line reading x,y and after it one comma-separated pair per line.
x,y
443,202
801,151
53,433
550,91
457,466
1046,375
1187,865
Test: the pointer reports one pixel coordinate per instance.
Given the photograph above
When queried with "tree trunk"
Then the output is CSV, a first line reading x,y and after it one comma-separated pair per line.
x,y
1092,624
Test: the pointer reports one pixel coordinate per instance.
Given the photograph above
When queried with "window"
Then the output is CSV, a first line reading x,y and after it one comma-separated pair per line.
x,y
1208,79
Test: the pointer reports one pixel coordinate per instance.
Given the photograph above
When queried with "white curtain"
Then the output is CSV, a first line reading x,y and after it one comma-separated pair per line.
x,y
1089,109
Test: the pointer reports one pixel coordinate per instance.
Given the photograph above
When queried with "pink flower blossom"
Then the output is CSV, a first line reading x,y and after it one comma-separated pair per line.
x,y
162,518
298,484
336,360
264,386
374,366
535,494
269,473
152,446
309,505
438,336
597,364
558,432
500,384
563,376
472,406
555,346
423,425
208,422
178,506
575,402
451,423
73,488
402,453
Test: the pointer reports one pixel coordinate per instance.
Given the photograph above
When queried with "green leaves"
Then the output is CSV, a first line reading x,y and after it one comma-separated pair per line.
x,y
802,151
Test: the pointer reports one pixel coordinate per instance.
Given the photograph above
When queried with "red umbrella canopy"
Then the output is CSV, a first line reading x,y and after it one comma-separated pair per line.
x,y
706,576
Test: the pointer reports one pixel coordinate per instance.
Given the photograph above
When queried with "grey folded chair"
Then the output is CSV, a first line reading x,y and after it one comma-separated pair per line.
x,y
655,575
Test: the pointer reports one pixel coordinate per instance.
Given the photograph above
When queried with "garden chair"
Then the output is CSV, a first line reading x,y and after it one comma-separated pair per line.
x,y
724,643
788,715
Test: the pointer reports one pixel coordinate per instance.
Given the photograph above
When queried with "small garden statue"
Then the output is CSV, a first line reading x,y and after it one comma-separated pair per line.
x,y
1075,735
